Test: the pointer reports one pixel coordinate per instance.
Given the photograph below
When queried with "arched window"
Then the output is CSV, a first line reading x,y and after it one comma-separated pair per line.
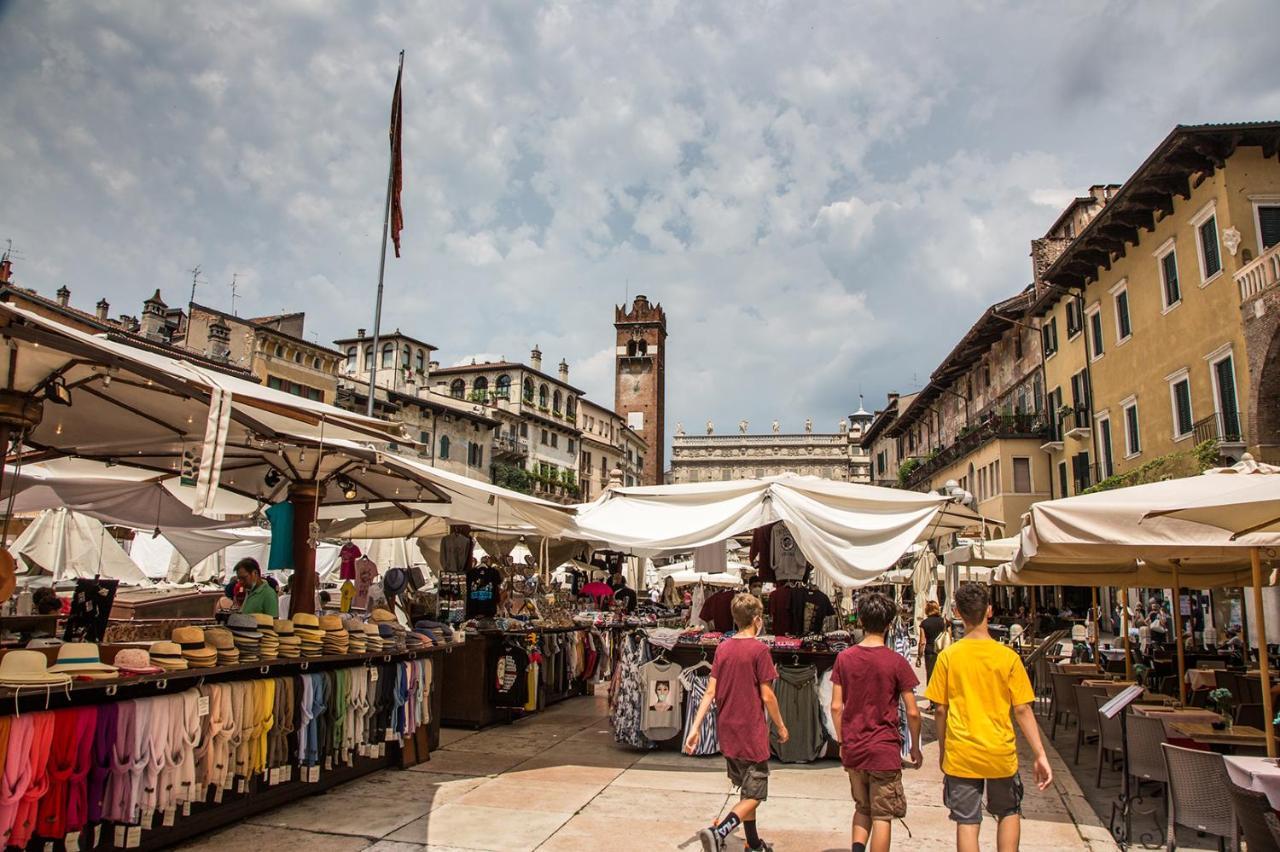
x,y
444,446
279,351
421,363
504,386
388,356
480,389
542,396
406,357
528,390
642,348
631,348
297,356
458,389
571,407
351,359
315,363
555,402
368,357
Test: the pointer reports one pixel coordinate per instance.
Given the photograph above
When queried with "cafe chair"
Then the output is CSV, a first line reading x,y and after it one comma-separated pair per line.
x,y
1087,713
1258,822
1251,715
1063,704
1110,738
1198,796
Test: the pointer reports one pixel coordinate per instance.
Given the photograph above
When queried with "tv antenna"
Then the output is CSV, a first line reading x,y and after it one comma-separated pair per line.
x,y
10,253
195,279
234,294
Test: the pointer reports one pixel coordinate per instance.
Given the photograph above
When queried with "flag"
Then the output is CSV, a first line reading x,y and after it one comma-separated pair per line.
x,y
397,166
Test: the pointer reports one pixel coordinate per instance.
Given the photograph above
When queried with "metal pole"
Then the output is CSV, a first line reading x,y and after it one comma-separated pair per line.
x,y
1124,627
1264,664
1177,628
382,262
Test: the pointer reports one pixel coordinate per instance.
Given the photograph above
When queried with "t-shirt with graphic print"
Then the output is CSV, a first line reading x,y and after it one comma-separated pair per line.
x,y
483,584
660,714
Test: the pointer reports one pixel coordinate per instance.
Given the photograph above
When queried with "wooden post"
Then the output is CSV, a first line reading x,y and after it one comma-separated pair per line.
x,y
1268,712
1097,626
1177,628
1124,627
303,497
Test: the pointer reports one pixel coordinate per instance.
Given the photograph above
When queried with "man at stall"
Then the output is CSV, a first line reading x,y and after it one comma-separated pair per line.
x,y
259,596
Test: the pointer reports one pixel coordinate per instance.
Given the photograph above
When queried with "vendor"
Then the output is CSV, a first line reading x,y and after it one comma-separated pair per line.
x,y
622,596
259,596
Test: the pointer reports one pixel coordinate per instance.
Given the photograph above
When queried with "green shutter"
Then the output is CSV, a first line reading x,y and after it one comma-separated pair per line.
x,y
1122,311
1104,438
1209,244
1095,320
1269,222
1228,411
1131,424
1169,264
1182,399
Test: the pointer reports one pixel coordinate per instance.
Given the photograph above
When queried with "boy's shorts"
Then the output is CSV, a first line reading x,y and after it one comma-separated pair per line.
x,y
964,797
878,793
751,777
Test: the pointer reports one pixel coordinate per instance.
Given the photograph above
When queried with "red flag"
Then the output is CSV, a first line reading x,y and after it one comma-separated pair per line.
x,y
397,167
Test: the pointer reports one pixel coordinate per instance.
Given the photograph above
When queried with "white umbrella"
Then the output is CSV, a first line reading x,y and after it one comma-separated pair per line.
x,y
65,544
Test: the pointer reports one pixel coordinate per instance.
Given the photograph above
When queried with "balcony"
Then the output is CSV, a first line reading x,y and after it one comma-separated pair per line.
x,y
1078,423
991,427
1259,275
1228,440
510,448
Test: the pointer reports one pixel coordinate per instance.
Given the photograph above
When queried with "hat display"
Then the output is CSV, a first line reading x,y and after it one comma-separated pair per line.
x,y
336,639
269,645
306,628
45,642
135,661
372,638
81,659
168,656
29,668
224,644
248,639
381,616
394,582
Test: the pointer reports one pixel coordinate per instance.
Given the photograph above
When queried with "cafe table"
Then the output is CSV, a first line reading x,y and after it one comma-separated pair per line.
x,y
1236,736
1259,774
1201,679
1172,716
1079,669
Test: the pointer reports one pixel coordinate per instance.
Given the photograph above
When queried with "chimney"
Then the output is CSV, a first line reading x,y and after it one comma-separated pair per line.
x,y
360,333
535,358
220,340
564,371
153,311
104,310
64,296
433,366
6,270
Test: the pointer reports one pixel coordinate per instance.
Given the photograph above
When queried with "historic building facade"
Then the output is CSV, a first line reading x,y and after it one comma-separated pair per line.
x,y
608,446
640,390
710,457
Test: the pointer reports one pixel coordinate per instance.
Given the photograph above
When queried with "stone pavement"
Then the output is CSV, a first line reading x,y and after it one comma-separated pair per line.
x,y
557,782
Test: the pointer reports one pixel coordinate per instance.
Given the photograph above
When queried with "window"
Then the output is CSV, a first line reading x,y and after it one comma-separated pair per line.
x,y
544,437
297,357
480,389
572,446
1124,327
1095,333
571,407
406,357
1080,396
542,396
351,359
1104,448
420,361
1180,397
881,462
555,402
528,390
1017,344
1074,319
444,446
1049,333
503,386
1132,432
1062,479
1080,471
315,363
555,440
524,430
1268,215
279,351
388,356
1021,475
368,357
1207,245
424,438
1224,389
1171,291
457,388
1055,406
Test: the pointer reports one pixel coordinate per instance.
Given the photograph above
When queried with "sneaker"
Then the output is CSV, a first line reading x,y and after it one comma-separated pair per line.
x,y
710,843
764,846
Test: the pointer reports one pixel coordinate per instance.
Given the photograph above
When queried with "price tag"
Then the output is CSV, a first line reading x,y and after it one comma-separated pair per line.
x,y
202,705
72,842
266,776
186,809
48,846
97,835
217,795
133,837
169,814
148,818
328,763
390,736
314,774
120,836
242,786
373,675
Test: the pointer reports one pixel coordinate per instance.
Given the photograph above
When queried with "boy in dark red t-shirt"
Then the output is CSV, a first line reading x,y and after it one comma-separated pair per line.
x,y
867,683
742,687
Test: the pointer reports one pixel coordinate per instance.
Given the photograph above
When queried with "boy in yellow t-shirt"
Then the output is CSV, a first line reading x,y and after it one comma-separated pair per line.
x,y
977,683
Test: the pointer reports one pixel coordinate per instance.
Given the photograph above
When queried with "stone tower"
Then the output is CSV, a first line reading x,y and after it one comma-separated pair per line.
x,y
640,379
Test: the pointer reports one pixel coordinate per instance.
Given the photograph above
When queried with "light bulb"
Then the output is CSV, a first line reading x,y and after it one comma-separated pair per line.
x,y
58,431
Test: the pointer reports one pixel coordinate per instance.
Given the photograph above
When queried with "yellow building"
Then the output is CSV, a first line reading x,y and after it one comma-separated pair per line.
x,y
1140,316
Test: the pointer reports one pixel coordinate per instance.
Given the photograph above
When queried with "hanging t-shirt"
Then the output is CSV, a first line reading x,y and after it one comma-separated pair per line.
x,y
695,681
483,584
660,713
347,557
761,553
511,684
366,575
780,611
788,562
817,607
718,611
281,518
710,558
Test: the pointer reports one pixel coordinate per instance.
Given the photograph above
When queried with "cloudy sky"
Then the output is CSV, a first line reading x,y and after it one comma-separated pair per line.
x,y
823,196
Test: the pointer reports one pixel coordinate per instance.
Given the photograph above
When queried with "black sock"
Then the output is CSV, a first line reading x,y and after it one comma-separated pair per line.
x,y
859,847
726,826
753,839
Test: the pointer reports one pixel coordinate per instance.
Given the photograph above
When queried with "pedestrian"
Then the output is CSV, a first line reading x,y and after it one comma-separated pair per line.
x,y
930,629
977,683
867,684
259,596
741,687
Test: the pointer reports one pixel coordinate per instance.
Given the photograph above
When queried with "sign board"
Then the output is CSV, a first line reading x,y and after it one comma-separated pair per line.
x,y
1121,701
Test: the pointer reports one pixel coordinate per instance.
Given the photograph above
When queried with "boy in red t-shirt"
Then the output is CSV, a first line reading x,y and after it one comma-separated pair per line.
x,y
867,683
742,687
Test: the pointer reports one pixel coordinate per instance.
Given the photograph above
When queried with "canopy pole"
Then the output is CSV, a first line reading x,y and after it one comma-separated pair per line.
x,y
1264,664
1177,628
1124,628
1097,625
303,497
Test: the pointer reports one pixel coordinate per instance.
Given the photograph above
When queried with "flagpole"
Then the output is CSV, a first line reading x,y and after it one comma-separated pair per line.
x,y
382,263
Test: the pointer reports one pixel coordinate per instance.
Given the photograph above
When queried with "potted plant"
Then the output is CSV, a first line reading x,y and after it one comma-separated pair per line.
x,y
1221,699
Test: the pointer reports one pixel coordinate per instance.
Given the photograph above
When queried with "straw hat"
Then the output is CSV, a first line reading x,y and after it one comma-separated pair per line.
x,y
383,615
185,636
264,621
203,657
81,659
305,619
168,656
284,627
135,661
220,638
26,668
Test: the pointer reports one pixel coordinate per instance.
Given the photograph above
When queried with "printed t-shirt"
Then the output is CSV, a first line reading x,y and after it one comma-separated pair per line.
x,y
788,562
980,681
347,557
718,611
871,679
660,713
281,518
261,598
482,592
511,685
740,666
366,574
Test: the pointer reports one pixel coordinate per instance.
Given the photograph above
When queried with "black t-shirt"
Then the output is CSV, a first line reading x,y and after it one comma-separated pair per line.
x,y
511,685
932,627
627,596
483,584
817,607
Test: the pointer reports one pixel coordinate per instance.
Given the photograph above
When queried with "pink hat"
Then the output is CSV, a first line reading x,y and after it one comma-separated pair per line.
x,y
135,661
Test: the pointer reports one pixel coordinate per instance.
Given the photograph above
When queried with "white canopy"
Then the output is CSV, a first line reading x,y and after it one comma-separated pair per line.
x,y
66,544
853,533
1248,503
987,554
689,577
